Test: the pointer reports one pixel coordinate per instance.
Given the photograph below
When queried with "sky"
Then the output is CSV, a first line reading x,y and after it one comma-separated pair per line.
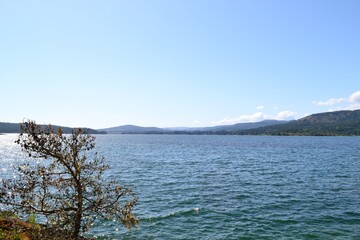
x,y
177,63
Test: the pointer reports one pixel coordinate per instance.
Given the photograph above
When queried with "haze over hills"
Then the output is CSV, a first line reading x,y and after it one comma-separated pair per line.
x,y
243,126
229,128
131,129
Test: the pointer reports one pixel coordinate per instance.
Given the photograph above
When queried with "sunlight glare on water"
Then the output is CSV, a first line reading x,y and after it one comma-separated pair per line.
x,y
10,153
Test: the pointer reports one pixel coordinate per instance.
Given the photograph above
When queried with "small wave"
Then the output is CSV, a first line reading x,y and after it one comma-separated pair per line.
x,y
352,214
172,214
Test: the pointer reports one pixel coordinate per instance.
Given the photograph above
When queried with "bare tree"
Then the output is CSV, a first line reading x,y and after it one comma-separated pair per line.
x,y
66,186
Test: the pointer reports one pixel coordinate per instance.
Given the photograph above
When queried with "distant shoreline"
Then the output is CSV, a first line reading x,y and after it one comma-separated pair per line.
x,y
216,134
338,123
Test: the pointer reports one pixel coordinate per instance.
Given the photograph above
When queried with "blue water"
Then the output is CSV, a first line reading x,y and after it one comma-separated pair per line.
x,y
231,187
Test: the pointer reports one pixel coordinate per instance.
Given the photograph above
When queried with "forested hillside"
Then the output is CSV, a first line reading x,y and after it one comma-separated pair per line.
x,y
321,124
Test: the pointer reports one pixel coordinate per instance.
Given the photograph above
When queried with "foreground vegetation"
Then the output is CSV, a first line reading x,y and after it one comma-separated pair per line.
x,y
13,228
65,186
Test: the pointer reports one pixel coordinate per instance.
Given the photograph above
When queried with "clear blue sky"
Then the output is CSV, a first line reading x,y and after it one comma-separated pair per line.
x,y
177,63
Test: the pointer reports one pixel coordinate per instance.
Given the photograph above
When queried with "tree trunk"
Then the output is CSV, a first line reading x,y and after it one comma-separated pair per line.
x,y
79,211
77,225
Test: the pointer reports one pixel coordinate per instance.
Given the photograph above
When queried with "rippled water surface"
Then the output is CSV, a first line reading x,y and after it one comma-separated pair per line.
x,y
231,187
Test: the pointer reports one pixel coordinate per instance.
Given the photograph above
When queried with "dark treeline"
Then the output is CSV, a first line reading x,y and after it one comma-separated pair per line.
x,y
15,128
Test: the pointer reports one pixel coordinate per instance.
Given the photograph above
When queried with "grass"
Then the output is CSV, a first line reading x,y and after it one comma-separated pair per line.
x,y
13,228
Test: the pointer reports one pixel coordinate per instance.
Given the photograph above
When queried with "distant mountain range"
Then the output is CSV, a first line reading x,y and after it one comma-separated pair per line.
x,y
131,129
240,126
320,124
15,128
339,123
